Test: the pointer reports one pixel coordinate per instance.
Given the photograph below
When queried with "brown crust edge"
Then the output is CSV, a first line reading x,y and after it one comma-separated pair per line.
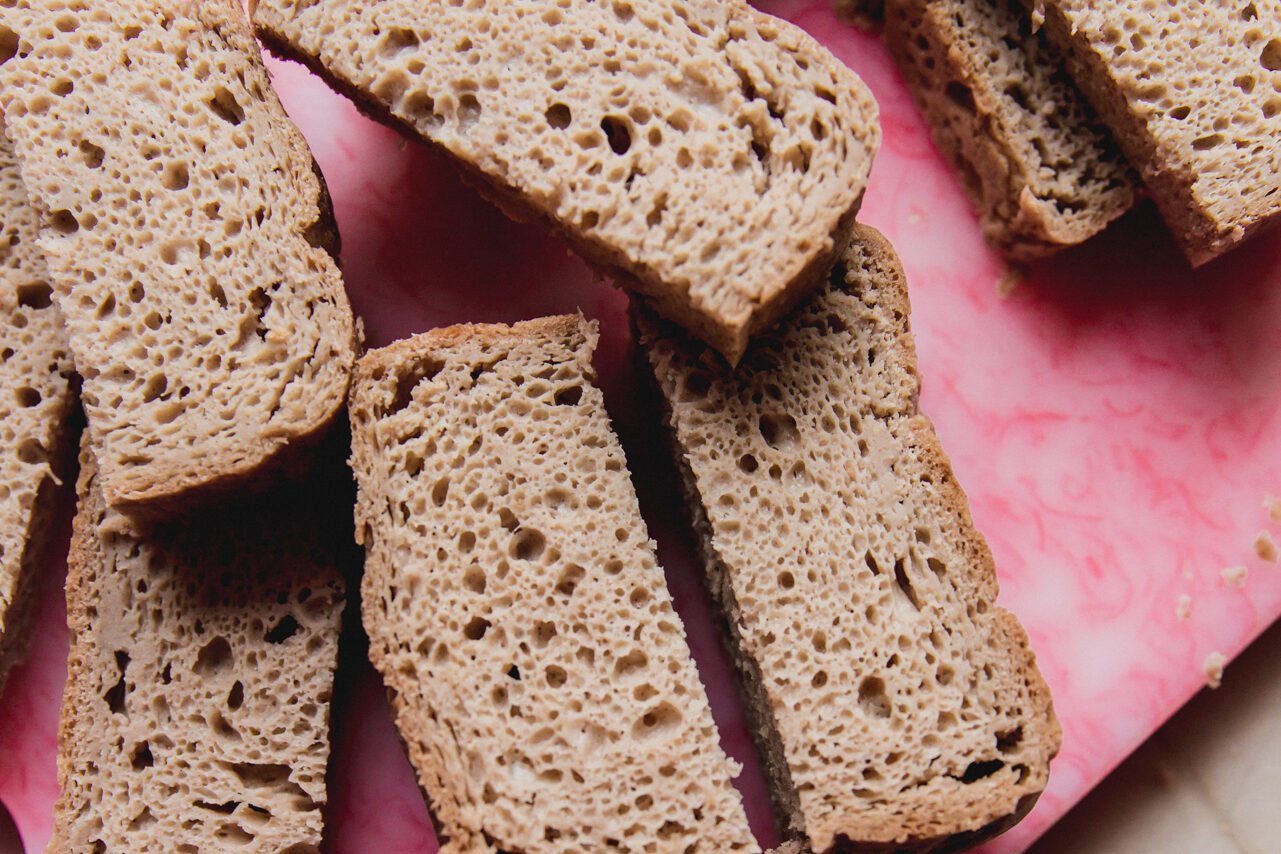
x,y
783,794
675,305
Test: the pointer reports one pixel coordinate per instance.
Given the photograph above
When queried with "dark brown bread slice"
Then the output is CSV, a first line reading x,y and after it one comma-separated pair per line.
x,y
188,237
708,155
1043,171
1192,93
36,400
896,705
539,676
196,712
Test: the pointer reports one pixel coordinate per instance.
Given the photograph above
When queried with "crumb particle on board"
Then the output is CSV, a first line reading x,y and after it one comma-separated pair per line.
x,y
1266,548
1234,576
1212,667
1011,278
1183,610
1273,505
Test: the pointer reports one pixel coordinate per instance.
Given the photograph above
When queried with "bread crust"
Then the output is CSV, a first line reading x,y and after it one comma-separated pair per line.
x,y
728,330
943,815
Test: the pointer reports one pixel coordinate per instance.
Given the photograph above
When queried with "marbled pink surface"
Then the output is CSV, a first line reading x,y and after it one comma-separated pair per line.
x,y
1116,421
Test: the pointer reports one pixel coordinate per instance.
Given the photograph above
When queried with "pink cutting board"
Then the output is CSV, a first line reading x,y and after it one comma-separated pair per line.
x,y
1116,420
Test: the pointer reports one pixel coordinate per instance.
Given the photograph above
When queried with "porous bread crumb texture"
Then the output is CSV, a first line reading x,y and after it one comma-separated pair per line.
x,y
1234,576
1042,170
187,234
1212,669
196,712
710,155
1192,93
35,402
896,704
515,608
1265,547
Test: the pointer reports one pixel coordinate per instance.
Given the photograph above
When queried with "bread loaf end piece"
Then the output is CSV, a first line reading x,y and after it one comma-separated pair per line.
x,y
1192,94
196,712
708,156
538,674
1039,165
895,703
188,237
36,402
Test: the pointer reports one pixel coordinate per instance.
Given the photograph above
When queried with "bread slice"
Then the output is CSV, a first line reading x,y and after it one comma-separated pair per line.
x,y
188,237
515,607
196,712
36,400
1192,94
1042,170
710,156
895,703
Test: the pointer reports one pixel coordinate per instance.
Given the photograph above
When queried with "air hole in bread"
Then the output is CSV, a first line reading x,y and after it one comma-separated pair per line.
x,y
558,116
213,658
656,721
115,695
468,110
141,757
778,430
1270,58
872,698
32,452
397,40
225,106
905,584
175,176
64,222
27,397
569,396
8,44
569,579
476,628
976,771
236,696
35,295
556,676
93,155
617,134
283,630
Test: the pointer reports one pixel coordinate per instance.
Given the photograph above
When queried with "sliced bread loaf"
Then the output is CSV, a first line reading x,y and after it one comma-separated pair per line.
x,y
895,703
1043,171
708,155
196,712
515,608
188,237
36,399
1192,93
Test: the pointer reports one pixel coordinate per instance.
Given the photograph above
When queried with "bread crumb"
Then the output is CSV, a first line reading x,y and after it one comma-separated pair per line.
x,y
1266,547
1011,278
1212,667
1273,505
1038,15
1184,609
1234,575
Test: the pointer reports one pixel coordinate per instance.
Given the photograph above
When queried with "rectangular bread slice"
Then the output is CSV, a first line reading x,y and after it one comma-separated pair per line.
x,y
709,156
188,237
538,674
196,712
36,400
1192,93
895,703
1042,170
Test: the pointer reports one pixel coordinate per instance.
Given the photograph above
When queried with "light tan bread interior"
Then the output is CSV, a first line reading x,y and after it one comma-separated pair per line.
x,y
196,712
710,155
1041,168
896,704
187,233
538,674
1192,93
36,399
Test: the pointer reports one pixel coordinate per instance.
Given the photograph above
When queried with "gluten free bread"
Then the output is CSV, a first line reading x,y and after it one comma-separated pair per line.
x,y
1192,93
895,703
538,674
709,155
196,712
1043,171
188,237
35,402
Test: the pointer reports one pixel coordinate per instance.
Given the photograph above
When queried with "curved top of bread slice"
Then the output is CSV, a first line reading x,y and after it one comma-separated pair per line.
x,y
1192,93
898,705
710,154
35,397
515,607
188,237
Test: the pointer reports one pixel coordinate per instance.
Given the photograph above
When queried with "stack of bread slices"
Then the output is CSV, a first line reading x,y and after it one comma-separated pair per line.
x,y
1060,114
172,254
